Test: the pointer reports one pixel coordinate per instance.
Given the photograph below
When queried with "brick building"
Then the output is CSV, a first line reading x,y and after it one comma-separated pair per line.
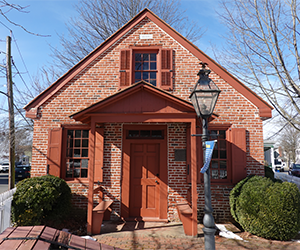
x,y
119,123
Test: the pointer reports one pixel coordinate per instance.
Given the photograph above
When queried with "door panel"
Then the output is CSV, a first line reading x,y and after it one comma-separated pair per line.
x,y
144,180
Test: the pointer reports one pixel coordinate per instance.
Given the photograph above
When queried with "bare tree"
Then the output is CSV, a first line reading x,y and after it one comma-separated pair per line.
x,y
290,142
263,50
99,19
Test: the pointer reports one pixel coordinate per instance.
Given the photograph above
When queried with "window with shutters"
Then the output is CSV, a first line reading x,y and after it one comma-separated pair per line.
x,y
152,64
228,163
77,153
219,162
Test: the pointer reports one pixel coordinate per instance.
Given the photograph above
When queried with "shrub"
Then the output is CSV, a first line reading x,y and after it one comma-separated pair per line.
x,y
40,199
267,209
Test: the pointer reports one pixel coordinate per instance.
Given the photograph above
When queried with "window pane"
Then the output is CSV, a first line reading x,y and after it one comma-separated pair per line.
x,y
70,133
77,163
85,153
138,57
145,75
84,173
145,133
153,65
137,76
214,174
215,153
133,133
153,82
85,143
223,164
84,163
213,134
214,164
152,75
157,133
223,154
145,66
76,152
77,133
222,134
77,172
137,66
77,143
145,57
69,173
85,134
223,174
152,56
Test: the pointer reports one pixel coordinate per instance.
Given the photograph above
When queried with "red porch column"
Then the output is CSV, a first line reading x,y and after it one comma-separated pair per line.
x,y
194,178
91,177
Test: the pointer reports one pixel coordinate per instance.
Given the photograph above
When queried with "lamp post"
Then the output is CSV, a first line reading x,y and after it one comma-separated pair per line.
x,y
204,98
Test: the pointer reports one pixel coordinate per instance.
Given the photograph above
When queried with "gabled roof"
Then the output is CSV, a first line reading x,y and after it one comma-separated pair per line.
x,y
139,98
264,108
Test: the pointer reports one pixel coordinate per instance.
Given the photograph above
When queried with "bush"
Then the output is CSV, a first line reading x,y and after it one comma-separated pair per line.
x,y
40,199
265,208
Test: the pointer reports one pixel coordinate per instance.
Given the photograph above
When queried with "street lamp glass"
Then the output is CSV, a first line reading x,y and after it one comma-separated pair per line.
x,y
205,94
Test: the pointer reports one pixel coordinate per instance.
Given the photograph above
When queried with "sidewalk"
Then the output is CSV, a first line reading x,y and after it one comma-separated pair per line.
x,y
151,235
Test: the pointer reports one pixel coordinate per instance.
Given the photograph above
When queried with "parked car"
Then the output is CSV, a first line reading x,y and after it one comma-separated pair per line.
x,y
295,170
22,172
4,167
279,165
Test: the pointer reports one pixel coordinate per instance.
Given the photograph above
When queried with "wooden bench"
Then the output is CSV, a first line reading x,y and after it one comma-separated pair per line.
x,y
45,238
98,215
185,213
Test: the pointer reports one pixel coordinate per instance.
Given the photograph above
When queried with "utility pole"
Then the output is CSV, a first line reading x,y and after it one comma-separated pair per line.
x,y
11,178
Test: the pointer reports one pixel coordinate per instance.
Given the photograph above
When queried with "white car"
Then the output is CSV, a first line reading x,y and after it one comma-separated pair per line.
x,y
4,167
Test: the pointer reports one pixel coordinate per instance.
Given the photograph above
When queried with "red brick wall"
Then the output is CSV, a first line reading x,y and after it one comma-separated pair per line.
x,y
100,79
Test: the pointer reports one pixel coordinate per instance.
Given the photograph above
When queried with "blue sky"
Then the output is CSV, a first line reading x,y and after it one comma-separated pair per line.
x,y
48,17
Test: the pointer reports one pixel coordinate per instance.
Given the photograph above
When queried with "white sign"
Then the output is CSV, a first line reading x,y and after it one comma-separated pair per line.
x,y
146,36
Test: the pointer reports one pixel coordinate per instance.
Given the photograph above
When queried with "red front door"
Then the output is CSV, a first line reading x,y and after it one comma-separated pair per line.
x,y
144,180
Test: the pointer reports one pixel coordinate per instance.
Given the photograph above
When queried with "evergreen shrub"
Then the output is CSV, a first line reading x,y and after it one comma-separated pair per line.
x,y
266,208
38,200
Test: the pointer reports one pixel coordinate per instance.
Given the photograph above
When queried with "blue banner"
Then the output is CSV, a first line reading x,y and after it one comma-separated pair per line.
x,y
208,154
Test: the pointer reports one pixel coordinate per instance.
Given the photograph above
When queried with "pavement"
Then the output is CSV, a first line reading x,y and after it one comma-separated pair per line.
x,y
158,235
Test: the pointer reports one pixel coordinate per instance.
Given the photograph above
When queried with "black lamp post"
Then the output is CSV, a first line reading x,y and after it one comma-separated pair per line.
x,y
204,98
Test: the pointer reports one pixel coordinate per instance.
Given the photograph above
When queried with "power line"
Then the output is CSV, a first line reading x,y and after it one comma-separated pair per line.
x,y
21,57
18,72
3,93
5,26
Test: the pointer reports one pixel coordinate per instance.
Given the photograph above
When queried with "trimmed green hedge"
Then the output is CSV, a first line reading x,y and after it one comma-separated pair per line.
x,y
40,199
266,208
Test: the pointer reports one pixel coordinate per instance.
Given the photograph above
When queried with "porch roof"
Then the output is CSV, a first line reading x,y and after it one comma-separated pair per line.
x,y
141,98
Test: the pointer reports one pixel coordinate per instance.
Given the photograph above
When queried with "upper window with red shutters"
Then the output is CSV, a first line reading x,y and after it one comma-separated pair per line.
x,y
153,65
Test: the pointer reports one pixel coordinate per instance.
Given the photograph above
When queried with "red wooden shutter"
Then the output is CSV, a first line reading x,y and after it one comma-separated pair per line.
x,y
125,68
99,147
166,69
54,151
238,154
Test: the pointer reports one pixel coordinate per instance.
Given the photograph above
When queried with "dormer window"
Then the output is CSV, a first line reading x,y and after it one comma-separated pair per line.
x,y
151,64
